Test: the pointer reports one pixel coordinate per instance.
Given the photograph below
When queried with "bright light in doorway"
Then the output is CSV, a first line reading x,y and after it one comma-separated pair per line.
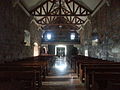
x,y
60,46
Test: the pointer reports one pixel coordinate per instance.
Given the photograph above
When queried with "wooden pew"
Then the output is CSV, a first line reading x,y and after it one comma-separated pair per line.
x,y
87,60
35,62
30,69
87,65
20,73
74,60
98,78
80,64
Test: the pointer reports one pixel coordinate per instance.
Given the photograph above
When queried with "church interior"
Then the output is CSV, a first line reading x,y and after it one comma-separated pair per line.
x,y
60,45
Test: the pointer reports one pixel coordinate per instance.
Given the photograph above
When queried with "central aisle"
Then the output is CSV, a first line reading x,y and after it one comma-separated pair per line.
x,y
61,77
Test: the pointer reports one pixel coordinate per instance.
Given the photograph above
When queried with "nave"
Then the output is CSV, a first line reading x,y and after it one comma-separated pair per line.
x,y
39,73
88,30
51,72
62,77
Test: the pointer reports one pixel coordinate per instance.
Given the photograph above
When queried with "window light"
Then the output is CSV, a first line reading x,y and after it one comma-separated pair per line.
x,y
49,36
72,36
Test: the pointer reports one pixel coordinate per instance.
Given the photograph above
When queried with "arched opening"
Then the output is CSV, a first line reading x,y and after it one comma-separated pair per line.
x,y
36,49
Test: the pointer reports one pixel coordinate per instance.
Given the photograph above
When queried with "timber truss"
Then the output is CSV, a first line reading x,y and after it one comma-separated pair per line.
x,y
50,10
70,20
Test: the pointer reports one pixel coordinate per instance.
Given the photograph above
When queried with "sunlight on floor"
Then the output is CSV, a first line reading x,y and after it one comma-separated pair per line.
x,y
61,74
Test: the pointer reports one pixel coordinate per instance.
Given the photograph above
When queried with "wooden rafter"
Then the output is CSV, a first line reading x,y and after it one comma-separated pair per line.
x,y
46,20
50,10
51,6
70,20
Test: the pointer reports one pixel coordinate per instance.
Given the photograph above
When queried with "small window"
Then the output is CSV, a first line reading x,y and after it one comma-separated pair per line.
x,y
49,36
95,39
27,38
86,52
72,36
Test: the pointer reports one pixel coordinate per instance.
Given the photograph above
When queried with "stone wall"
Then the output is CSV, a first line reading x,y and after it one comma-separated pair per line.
x,y
106,23
13,22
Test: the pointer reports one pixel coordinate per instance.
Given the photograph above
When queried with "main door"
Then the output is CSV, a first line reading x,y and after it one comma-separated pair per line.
x,y
60,51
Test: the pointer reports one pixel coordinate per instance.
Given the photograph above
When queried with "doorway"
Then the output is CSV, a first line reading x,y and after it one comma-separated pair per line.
x,y
36,49
61,50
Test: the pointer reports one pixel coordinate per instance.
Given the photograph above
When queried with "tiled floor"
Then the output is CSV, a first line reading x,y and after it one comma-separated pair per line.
x,y
61,77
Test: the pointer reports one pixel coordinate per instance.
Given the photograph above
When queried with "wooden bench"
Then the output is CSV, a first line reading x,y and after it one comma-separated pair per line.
x,y
29,69
82,64
10,73
74,60
98,78
86,60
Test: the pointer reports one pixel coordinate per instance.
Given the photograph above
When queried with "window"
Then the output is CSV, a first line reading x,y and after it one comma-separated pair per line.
x,y
27,38
86,52
95,39
49,36
72,36
36,49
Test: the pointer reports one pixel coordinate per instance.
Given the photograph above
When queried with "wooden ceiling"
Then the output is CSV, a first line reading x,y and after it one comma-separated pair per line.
x,y
51,14
60,23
